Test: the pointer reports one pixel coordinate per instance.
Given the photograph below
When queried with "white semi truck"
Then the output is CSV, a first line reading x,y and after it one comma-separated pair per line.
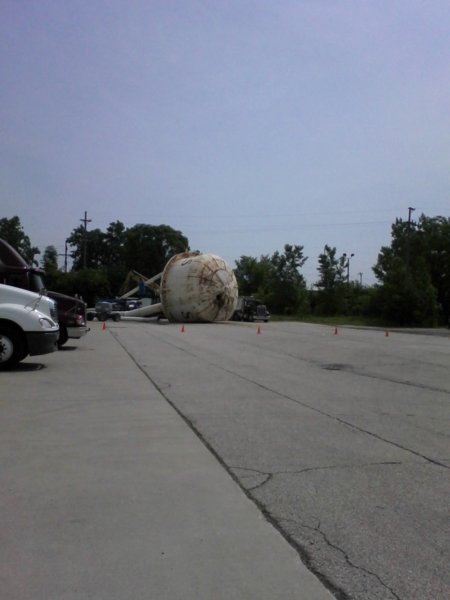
x,y
28,325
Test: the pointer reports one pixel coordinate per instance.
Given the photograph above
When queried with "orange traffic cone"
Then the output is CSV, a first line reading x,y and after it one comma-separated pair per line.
x,y
386,333
182,329
104,326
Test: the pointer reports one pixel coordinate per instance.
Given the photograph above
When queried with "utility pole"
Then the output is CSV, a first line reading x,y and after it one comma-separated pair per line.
x,y
360,278
65,256
408,235
85,221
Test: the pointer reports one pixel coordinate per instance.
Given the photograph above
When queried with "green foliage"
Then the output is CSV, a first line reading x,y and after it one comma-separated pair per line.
x,y
49,261
414,272
149,247
90,250
90,284
287,288
275,280
406,297
12,232
252,275
333,290
143,248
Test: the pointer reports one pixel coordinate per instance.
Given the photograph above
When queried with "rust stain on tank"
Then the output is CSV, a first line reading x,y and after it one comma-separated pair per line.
x,y
198,287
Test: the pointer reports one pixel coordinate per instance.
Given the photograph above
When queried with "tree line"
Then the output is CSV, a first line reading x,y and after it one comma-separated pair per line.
x,y
413,273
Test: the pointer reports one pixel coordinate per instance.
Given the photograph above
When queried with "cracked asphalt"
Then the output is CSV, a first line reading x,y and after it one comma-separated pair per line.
x,y
140,462
341,440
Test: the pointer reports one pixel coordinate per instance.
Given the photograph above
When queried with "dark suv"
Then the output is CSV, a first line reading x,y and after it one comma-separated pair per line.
x,y
106,310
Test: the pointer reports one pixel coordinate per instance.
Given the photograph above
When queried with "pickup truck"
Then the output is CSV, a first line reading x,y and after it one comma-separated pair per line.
x,y
28,325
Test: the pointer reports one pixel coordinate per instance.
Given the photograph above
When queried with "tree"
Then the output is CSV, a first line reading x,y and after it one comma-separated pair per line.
x,y
90,249
414,272
406,298
49,263
287,287
332,286
252,275
114,244
148,248
50,259
90,284
143,248
436,238
12,232
275,279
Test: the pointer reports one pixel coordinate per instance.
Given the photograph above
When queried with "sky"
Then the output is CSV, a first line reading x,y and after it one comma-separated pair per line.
x,y
245,124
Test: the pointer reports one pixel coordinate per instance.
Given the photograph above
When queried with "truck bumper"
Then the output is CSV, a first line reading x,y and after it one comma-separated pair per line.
x,y
77,332
42,342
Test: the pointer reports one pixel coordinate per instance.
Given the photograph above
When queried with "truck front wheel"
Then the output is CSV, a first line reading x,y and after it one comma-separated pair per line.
x,y
12,347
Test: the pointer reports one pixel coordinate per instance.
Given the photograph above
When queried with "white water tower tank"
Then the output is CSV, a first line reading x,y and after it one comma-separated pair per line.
x,y
198,287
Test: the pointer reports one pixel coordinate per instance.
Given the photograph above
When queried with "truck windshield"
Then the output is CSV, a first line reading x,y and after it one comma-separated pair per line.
x,y
37,283
26,280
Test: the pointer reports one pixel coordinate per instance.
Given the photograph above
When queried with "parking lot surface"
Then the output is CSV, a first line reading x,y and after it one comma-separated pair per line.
x,y
338,439
106,492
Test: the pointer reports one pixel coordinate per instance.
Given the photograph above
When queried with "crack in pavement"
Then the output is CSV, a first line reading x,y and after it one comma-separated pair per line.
x,y
349,369
308,406
269,475
342,551
360,373
303,553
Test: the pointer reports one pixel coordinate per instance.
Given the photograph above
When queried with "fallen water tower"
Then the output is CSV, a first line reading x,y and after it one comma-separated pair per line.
x,y
198,287
194,288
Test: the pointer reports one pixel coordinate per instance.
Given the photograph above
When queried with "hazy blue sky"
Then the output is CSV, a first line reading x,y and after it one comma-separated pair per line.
x,y
245,124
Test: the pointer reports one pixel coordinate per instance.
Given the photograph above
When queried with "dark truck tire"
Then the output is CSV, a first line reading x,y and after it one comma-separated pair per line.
x,y
63,337
12,346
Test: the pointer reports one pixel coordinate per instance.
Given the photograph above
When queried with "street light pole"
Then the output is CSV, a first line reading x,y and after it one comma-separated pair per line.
x,y
65,257
347,265
408,234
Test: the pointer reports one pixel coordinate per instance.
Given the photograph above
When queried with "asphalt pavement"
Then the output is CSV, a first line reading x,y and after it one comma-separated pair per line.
x,y
340,437
107,492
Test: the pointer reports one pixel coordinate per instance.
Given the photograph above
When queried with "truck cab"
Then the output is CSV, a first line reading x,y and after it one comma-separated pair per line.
x,y
16,272
250,309
28,325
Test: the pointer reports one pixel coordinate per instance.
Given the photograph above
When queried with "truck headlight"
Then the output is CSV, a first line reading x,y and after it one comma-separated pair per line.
x,y
46,323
